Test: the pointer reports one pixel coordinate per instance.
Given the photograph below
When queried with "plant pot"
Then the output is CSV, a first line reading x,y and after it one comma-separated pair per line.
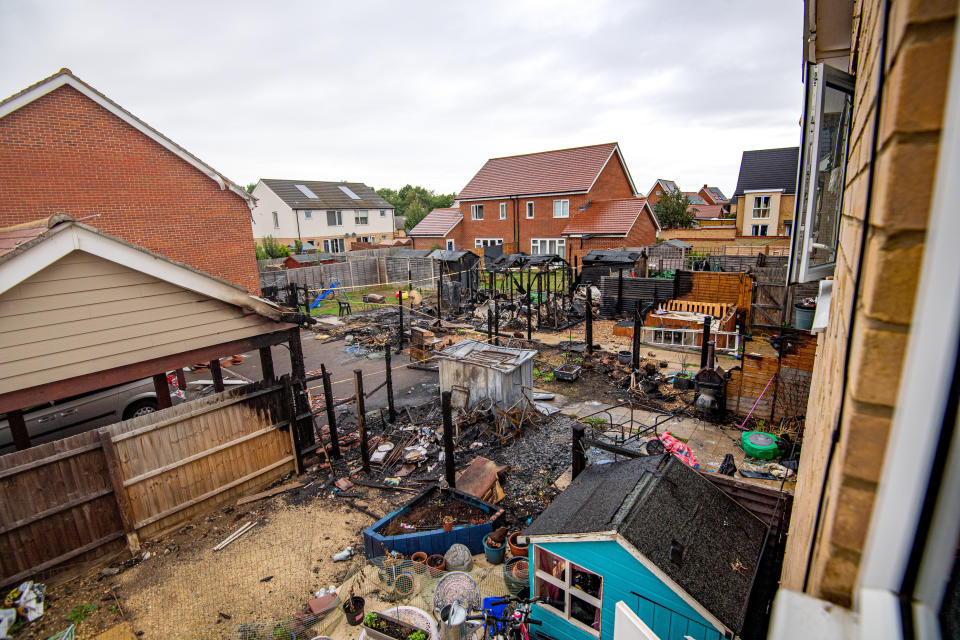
x,y
803,317
420,557
624,357
495,555
404,628
404,584
353,610
448,525
436,564
516,549
514,585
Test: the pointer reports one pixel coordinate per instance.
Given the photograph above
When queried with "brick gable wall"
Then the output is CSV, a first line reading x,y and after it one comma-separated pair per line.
x,y
63,153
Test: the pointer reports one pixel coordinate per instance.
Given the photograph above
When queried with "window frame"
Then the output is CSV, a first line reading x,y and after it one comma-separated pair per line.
x,y
337,216
755,228
762,212
503,210
566,587
276,220
530,209
819,78
361,216
451,245
559,243
486,242
564,208
308,215
476,211
383,212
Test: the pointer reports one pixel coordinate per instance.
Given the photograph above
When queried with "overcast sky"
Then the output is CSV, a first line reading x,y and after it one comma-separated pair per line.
x,y
397,92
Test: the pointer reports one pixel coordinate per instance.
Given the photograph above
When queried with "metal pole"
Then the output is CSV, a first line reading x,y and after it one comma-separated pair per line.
x,y
331,413
449,464
706,339
589,317
386,358
362,420
399,308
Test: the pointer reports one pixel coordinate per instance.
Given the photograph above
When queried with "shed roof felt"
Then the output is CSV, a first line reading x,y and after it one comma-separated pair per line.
x,y
771,169
607,217
655,502
446,255
329,195
608,256
560,171
437,223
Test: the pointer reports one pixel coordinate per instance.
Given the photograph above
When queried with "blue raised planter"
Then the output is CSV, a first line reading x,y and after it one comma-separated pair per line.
x,y
436,540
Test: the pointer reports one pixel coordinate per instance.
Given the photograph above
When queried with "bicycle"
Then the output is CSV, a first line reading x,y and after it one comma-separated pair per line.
x,y
511,624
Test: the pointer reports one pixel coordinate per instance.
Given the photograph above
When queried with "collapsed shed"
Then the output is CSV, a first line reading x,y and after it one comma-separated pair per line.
x,y
598,263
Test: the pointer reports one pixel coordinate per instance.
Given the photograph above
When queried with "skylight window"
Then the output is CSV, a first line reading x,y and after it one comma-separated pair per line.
x,y
305,190
347,191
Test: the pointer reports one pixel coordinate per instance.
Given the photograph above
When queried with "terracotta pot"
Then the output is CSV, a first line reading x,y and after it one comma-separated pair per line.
x,y
517,550
447,524
436,563
420,557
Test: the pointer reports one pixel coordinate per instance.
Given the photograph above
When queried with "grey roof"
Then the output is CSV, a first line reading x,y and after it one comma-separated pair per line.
x,y
411,253
329,195
504,359
653,501
445,255
611,256
678,243
307,258
768,169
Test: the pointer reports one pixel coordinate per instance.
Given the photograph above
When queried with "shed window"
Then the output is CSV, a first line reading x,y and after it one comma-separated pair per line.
x,y
576,593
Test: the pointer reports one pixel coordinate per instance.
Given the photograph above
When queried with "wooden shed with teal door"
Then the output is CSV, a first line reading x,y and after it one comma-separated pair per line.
x,y
651,533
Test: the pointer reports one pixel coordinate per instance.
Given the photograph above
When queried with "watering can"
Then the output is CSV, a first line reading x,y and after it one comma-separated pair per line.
x,y
452,619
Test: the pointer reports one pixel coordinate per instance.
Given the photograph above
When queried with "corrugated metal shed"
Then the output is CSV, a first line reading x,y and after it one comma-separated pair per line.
x,y
504,374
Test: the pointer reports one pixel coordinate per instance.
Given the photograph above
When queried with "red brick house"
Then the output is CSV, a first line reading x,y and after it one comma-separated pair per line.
x,y
531,199
67,148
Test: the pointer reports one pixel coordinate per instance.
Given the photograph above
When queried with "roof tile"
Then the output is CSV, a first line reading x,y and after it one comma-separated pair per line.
x,y
329,195
608,217
437,223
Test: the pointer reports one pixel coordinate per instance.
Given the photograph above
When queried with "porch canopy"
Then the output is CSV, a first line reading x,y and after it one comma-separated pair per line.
x,y
81,310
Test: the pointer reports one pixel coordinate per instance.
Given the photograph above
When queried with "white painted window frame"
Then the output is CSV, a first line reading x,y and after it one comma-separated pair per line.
x,y
338,218
763,211
362,216
561,245
564,208
308,215
479,242
530,209
503,210
451,245
568,591
754,229
276,220
476,212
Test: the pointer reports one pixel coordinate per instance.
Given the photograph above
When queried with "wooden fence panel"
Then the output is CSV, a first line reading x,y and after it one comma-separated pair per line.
x,y
177,464
58,505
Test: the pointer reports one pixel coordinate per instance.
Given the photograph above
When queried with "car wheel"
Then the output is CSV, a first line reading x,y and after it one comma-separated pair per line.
x,y
140,408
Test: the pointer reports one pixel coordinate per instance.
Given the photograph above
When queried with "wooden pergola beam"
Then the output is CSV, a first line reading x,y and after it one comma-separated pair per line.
x,y
52,391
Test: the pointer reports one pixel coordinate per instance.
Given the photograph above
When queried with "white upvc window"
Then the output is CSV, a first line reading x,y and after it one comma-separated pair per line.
x,y
451,245
543,246
334,218
576,593
276,220
823,163
761,206
486,242
561,208
503,210
529,209
361,217
476,212
334,245
758,230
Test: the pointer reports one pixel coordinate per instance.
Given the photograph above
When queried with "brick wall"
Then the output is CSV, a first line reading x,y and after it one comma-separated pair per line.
x,y
919,46
63,153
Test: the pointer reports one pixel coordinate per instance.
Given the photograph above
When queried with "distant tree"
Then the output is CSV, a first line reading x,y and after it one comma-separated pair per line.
x,y
415,202
251,187
673,210
270,248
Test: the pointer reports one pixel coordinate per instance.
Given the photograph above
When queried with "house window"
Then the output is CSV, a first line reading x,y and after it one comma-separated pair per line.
x,y
529,209
758,230
761,206
276,220
787,227
487,242
476,211
334,245
361,217
503,210
382,213
308,214
334,218
823,164
450,245
543,246
370,239
561,208
576,593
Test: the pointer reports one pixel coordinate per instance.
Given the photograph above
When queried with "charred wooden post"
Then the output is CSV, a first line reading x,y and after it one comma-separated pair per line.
x,y
400,332
637,325
579,457
390,407
409,277
440,296
539,296
216,373
496,322
163,389
290,401
489,325
182,380
362,421
18,428
619,291
266,364
589,318
331,413
299,376
704,342
448,460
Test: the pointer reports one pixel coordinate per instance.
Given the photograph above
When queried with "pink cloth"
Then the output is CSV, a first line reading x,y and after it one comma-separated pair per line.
x,y
679,449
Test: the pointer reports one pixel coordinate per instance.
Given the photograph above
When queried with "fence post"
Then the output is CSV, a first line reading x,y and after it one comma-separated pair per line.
x,y
386,358
119,491
331,413
637,325
216,373
449,464
496,321
589,318
579,459
400,332
705,340
361,420
489,325
290,399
